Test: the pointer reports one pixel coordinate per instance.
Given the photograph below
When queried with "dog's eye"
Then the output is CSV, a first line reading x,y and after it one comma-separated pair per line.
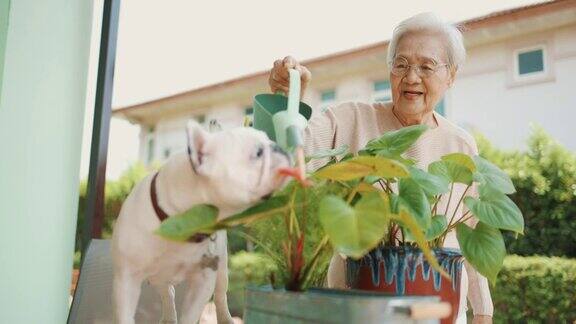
x,y
260,152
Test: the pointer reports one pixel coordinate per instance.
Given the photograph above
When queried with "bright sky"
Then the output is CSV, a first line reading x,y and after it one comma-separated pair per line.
x,y
167,47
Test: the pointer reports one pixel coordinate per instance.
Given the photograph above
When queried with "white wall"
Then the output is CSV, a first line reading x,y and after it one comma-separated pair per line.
x,y
502,111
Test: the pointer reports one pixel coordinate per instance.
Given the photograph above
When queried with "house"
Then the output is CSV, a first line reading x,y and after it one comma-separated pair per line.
x,y
520,69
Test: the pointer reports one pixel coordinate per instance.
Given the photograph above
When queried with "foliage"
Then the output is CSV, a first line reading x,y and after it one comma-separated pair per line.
x,y
545,180
246,268
536,289
355,217
115,193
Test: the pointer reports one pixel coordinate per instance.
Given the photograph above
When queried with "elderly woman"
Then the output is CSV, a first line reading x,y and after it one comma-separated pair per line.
x,y
424,55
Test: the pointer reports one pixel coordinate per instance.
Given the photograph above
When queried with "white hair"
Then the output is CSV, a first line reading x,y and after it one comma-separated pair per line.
x,y
429,22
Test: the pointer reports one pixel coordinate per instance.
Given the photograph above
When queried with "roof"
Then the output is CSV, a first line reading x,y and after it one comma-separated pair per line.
x,y
492,19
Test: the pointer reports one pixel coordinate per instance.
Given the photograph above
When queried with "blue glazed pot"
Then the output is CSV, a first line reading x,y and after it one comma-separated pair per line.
x,y
404,271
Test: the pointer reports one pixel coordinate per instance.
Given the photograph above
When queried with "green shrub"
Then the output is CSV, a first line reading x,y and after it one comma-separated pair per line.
x,y
545,180
246,268
535,289
115,193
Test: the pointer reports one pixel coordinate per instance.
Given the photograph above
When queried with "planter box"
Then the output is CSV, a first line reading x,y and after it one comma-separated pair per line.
x,y
268,306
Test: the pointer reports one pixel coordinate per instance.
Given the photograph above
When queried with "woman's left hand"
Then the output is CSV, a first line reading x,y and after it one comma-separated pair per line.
x,y
482,319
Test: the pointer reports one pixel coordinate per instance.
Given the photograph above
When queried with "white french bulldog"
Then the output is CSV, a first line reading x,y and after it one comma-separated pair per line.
x,y
231,170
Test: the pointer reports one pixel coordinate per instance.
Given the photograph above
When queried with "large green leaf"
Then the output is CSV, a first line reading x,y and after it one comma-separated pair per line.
x,y
343,149
483,247
412,198
407,221
497,210
266,208
354,230
344,171
393,144
362,166
492,177
451,171
431,184
198,219
382,167
462,159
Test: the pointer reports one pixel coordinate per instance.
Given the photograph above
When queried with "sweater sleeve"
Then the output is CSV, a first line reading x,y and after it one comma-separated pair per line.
x,y
319,135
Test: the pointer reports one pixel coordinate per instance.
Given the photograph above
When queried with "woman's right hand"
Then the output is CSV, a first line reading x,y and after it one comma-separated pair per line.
x,y
279,76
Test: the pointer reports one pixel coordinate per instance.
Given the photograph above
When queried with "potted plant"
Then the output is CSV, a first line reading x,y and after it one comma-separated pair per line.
x,y
358,206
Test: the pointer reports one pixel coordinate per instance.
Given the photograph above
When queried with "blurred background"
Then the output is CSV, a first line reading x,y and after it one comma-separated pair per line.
x,y
179,60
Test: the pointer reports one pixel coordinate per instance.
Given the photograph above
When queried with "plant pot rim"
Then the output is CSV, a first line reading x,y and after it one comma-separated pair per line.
x,y
328,292
407,248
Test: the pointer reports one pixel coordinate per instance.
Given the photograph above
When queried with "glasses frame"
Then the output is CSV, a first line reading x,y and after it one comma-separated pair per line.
x,y
417,68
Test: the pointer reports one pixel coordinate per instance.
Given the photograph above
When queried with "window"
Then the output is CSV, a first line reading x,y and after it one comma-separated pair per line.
x,y
530,62
327,97
248,116
382,91
440,109
150,145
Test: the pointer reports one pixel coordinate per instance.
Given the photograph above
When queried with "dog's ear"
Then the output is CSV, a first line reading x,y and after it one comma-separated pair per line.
x,y
196,139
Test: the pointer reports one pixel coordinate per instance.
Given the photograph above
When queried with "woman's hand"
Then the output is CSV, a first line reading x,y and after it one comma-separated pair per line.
x,y
279,76
482,319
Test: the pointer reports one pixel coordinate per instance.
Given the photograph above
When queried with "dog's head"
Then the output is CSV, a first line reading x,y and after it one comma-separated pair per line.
x,y
239,165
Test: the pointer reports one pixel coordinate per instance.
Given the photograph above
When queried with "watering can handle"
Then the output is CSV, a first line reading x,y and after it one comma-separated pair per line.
x,y
293,93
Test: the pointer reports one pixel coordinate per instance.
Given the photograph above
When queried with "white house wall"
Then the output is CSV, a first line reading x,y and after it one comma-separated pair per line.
x,y
488,102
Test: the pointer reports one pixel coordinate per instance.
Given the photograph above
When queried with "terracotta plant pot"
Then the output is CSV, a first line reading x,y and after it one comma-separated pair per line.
x,y
404,271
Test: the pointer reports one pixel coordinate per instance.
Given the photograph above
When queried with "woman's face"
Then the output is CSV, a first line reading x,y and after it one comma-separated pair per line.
x,y
411,93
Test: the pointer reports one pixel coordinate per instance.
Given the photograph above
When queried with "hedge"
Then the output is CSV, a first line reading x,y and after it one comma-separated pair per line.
x,y
535,289
246,268
545,180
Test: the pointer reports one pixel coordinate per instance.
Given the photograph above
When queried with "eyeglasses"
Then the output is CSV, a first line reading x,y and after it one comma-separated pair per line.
x,y
400,67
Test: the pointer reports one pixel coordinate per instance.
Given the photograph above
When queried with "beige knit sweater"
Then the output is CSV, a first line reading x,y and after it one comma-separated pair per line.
x,y
354,124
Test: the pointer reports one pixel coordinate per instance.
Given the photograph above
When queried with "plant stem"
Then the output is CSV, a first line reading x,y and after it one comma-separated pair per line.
x,y
460,220
458,205
449,198
352,194
436,204
388,186
313,260
382,185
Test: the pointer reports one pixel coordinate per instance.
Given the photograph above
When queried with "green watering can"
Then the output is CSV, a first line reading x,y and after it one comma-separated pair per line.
x,y
283,119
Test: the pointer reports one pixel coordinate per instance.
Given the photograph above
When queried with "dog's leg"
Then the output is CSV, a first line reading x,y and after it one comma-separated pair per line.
x,y
126,292
167,295
220,298
200,289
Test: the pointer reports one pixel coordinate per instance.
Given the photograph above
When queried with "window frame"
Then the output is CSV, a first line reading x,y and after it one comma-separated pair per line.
x,y
533,75
376,94
324,104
